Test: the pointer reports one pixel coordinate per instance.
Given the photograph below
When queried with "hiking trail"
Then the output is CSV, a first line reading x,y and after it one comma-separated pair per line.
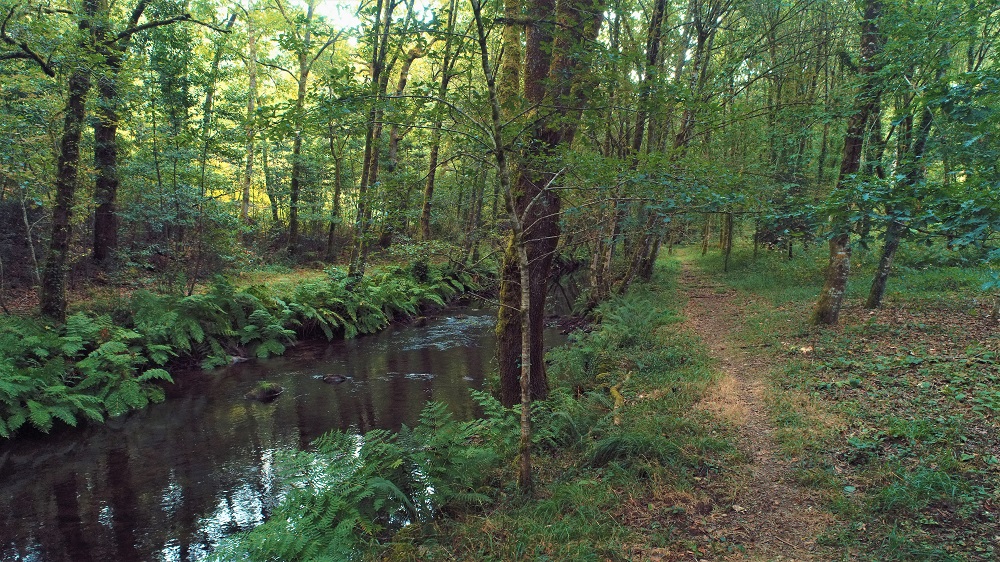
x,y
772,516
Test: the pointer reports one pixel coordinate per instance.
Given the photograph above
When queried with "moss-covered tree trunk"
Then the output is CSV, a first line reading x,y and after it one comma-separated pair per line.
x,y
555,70
106,167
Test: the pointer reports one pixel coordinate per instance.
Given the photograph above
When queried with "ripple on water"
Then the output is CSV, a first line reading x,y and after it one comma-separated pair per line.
x,y
451,332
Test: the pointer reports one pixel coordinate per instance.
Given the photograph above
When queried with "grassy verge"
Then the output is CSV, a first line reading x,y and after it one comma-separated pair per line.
x,y
895,412
621,455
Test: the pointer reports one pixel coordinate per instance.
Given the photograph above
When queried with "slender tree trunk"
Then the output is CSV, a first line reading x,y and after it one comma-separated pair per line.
x,y
373,133
706,233
526,356
867,101
251,125
272,195
209,106
303,52
648,78
447,66
897,229
338,183
395,207
727,247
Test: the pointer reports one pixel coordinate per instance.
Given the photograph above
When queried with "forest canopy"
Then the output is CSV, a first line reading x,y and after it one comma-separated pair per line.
x,y
161,142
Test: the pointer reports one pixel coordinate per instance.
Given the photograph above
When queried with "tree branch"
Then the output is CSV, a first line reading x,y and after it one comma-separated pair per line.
x,y
26,52
276,67
128,33
328,43
140,7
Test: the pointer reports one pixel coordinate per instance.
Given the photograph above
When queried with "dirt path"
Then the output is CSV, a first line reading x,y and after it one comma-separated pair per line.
x,y
772,516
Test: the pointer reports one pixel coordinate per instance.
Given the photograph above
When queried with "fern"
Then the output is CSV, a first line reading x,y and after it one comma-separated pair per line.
x,y
40,416
155,374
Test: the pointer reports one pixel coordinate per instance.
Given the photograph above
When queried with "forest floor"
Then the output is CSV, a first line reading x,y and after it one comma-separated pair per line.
x,y
877,439
772,517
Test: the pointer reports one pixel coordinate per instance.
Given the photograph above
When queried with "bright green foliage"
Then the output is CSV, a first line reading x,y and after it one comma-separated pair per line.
x,y
213,324
88,369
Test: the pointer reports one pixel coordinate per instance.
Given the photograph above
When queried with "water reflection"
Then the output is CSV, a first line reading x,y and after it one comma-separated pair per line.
x,y
167,483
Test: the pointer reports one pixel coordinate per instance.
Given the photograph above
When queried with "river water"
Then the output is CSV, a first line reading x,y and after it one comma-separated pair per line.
x,y
169,482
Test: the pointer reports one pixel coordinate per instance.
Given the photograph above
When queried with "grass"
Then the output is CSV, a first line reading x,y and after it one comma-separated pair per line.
x,y
894,413
622,490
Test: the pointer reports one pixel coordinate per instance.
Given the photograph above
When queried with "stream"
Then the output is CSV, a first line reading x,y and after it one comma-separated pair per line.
x,y
169,482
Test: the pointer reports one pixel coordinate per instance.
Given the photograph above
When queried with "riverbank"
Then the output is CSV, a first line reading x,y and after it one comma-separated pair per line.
x,y
623,459
701,419
98,366
170,481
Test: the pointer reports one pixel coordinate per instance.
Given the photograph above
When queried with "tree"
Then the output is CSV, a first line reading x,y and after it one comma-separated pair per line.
x,y
452,46
301,41
866,104
558,55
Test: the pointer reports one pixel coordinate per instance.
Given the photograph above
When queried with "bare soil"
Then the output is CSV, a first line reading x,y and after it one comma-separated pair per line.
x,y
772,517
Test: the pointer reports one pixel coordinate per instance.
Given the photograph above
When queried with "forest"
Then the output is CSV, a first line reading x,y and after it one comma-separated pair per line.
x,y
695,187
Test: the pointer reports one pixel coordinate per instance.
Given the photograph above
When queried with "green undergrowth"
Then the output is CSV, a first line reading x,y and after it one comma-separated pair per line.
x,y
894,413
101,365
617,431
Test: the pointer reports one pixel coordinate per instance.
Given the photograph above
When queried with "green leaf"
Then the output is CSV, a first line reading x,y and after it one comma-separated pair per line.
x,y
39,416
155,374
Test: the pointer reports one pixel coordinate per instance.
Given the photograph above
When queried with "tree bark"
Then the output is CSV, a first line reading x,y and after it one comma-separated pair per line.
x,y
53,288
896,229
554,73
338,183
300,100
395,205
112,51
447,67
251,125
209,106
106,165
649,77
827,310
373,134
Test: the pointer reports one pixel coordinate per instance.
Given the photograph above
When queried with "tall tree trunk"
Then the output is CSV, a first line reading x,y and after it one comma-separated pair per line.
x,y
447,67
553,70
649,77
866,103
373,134
106,182
272,195
53,289
395,207
914,170
526,357
106,165
251,125
337,152
209,106
300,100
